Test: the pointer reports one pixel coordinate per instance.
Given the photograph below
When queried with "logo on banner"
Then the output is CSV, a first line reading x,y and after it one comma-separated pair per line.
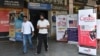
x,y
88,50
88,18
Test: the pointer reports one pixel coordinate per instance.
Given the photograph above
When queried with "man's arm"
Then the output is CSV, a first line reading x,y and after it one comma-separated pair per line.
x,y
22,28
32,27
48,25
38,27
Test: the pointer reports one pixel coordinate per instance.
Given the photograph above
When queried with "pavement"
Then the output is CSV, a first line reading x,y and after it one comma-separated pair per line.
x,y
8,48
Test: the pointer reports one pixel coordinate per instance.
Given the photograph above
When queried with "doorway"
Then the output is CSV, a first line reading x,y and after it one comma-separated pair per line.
x,y
35,16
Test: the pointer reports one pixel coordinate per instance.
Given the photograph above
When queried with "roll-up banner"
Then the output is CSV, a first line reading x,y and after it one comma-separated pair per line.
x,y
87,31
61,28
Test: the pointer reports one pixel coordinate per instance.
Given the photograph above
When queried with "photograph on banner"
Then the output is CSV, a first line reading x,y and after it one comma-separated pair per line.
x,y
61,28
15,21
72,21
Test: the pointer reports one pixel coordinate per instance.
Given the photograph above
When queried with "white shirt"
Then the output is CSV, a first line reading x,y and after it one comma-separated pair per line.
x,y
43,23
27,27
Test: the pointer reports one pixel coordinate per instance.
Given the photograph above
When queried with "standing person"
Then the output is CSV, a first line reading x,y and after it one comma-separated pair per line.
x,y
54,17
27,29
43,26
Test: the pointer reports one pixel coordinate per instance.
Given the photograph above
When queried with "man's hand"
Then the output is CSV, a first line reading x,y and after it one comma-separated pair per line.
x,y
32,34
42,27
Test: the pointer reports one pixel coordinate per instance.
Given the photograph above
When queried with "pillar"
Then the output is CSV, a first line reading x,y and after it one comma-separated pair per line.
x,y
70,6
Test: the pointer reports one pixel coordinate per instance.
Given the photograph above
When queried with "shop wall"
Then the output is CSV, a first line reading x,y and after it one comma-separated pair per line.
x,y
16,10
91,2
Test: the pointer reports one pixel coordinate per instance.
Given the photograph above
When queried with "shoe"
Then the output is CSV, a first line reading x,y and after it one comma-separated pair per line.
x,y
24,52
46,50
37,53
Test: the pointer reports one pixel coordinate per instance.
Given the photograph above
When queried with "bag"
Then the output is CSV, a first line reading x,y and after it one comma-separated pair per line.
x,y
18,36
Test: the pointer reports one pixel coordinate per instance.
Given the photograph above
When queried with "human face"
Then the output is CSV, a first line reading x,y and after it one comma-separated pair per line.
x,y
41,17
25,19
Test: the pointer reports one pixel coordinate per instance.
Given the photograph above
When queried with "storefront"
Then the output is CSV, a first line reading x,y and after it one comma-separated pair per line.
x,y
50,8
8,11
35,9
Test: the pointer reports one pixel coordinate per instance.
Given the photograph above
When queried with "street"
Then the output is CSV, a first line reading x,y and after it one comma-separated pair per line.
x,y
8,48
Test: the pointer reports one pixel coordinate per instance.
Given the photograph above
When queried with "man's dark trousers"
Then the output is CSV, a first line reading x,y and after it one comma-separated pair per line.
x,y
42,38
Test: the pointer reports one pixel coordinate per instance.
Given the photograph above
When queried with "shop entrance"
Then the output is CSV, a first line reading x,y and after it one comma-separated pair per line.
x,y
35,16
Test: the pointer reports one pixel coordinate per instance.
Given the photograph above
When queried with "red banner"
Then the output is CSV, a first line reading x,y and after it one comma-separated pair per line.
x,y
4,20
87,38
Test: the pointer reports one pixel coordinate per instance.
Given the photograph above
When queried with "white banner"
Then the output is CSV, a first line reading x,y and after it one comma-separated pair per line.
x,y
61,28
98,29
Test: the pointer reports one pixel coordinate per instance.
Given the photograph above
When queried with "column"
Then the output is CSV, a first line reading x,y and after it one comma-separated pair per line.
x,y
70,6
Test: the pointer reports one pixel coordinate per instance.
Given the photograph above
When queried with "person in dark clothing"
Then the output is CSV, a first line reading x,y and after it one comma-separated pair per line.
x,y
43,26
54,17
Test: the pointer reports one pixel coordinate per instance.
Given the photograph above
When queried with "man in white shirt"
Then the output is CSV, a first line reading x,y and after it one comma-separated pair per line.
x,y
42,26
27,29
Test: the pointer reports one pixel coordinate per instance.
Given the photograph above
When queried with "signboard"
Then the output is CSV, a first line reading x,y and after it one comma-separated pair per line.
x,y
61,28
81,1
39,6
12,3
4,21
87,31
56,7
57,2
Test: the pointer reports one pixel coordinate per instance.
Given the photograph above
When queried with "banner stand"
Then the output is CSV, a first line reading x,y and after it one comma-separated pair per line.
x,y
61,28
87,28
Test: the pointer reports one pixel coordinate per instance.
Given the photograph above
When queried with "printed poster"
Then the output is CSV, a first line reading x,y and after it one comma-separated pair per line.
x,y
87,31
4,21
16,19
61,28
